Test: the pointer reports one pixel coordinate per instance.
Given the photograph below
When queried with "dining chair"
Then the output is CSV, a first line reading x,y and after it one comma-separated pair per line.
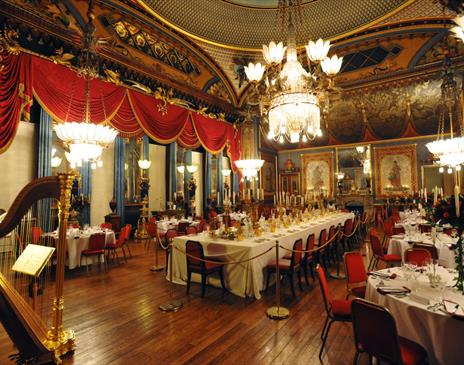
x,y
338,310
191,230
348,242
288,267
195,254
418,256
36,232
378,253
168,237
126,240
308,258
152,230
375,334
106,225
356,276
96,248
111,248
431,249
182,227
319,255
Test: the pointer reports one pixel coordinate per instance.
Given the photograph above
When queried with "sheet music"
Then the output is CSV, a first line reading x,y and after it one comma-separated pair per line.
x,y
33,259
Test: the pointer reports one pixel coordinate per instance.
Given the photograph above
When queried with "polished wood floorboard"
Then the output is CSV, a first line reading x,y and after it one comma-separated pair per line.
x,y
116,319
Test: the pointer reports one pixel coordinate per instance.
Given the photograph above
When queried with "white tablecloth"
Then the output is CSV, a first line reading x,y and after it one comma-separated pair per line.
x,y
248,279
164,225
399,244
78,241
439,333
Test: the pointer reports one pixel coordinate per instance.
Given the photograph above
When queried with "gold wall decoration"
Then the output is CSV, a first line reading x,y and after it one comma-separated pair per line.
x,y
395,170
268,175
62,58
9,41
318,172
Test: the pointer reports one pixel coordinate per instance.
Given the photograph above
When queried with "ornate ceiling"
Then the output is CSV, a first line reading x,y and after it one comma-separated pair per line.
x,y
232,24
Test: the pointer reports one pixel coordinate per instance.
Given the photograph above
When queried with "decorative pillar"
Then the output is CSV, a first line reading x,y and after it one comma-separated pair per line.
x,y
119,176
44,167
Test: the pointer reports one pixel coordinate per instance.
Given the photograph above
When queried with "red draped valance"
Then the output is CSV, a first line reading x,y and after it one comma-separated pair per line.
x,y
61,92
15,94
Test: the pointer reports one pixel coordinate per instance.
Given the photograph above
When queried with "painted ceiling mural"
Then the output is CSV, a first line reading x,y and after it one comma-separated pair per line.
x,y
146,44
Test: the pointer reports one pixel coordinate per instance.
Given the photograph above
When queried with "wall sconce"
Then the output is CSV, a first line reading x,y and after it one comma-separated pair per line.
x,y
144,164
226,172
192,168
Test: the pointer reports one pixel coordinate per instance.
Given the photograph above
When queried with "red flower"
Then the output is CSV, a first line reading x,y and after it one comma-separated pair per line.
x,y
446,215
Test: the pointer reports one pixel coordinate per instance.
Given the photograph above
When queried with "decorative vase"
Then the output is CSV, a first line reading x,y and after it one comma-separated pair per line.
x,y
113,204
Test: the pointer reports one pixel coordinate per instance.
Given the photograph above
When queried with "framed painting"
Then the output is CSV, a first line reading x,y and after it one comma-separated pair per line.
x,y
268,175
318,173
395,170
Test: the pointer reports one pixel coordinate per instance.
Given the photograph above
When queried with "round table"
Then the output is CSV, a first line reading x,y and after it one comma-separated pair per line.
x,y
438,332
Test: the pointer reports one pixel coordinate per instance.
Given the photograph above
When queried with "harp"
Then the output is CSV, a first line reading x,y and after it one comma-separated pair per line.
x,y
35,325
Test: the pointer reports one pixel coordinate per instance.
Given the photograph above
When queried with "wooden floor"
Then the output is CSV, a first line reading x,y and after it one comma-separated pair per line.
x,y
116,319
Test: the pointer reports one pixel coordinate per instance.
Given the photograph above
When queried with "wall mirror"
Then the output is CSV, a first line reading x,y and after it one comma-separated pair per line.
x,y
432,177
354,170
132,170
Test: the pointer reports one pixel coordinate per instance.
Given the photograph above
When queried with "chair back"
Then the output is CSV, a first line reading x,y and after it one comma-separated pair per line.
x,y
97,241
296,256
375,331
36,232
376,245
194,252
418,256
331,232
152,229
324,288
355,270
348,227
191,230
122,236
431,249
322,237
106,225
170,235
425,228
388,227
128,231
182,227
309,245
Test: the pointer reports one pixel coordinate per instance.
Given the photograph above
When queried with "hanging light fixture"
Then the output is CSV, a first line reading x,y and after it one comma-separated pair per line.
x,y
86,140
449,152
249,168
144,164
291,98
226,172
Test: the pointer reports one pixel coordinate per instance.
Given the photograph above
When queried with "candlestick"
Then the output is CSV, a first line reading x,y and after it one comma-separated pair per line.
x,y
456,200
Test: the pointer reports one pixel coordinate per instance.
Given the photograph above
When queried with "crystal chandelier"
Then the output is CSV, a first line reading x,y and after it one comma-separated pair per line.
x,y
449,151
86,140
249,168
291,98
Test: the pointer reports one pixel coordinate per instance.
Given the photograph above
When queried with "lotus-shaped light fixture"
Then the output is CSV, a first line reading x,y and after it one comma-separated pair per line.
x,y
332,65
254,72
317,51
274,53
226,172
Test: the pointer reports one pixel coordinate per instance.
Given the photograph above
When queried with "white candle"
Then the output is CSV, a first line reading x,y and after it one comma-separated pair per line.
x,y
425,194
274,199
456,200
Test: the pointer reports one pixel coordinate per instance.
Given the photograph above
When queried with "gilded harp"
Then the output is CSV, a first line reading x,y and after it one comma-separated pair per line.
x,y
31,307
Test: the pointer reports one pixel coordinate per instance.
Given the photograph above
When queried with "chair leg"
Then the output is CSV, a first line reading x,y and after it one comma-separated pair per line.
x,y
267,280
203,285
221,276
324,327
305,270
356,357
128,249
124,253
325,339
311,266
298,273
189,277
290,278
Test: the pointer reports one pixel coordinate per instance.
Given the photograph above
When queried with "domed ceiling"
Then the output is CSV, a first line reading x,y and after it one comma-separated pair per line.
x,y
247,25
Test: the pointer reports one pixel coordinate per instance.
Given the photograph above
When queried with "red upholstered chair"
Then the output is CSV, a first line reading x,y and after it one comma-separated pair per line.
x,y
75,225
431,249
194,265
111,248
348,242
182,228
417,256
308,258
377,252
191,230
152,230
106,225
337,309
320,255
168,237
375,334
388,233
288,267
126,241
425,228
356,276
96,248
36,232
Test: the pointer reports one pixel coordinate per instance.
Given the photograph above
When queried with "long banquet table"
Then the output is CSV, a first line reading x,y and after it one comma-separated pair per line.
x,y
247,279
438,332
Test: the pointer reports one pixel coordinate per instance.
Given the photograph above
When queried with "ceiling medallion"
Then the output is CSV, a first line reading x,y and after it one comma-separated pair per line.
x,y
291,98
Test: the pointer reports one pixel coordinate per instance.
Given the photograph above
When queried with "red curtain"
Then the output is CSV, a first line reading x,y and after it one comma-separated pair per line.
x,y
15,94
61,92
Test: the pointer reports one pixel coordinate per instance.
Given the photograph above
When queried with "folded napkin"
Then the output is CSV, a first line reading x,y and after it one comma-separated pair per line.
x,y
393,290
453,308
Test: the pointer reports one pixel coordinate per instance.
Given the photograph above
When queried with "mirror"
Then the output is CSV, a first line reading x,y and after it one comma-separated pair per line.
x,y
354,170
133,153
431,177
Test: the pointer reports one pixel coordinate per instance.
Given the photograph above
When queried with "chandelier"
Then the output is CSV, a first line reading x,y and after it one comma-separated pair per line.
x,y
86,140
449,152
249,168
291,98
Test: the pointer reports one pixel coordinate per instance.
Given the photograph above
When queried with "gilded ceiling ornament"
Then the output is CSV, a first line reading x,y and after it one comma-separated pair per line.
x,y
62,58
166,97
140,86
113,76
9,41
219,90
